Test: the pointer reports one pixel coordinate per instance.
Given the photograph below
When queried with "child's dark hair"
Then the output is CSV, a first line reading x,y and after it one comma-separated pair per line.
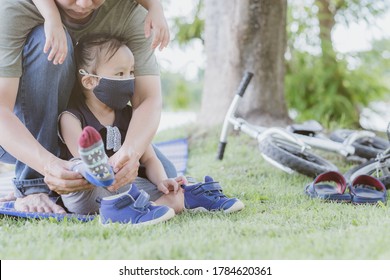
x,y
91,49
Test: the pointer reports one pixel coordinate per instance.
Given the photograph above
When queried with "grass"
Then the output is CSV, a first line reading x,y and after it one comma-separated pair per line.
x,y
279,222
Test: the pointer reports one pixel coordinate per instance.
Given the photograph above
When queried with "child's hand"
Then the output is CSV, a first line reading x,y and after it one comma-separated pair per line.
x,y
155,20
181,180
55,42
171,184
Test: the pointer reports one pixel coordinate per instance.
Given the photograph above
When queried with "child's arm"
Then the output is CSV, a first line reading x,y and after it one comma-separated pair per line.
x,y
70,129
54,31
156,173
155,20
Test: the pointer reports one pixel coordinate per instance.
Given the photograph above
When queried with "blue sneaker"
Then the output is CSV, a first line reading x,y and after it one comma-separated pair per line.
x,y
133,207
208,196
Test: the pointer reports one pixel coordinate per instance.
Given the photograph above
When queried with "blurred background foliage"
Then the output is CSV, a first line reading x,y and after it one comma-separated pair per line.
x,y
321,83
181,93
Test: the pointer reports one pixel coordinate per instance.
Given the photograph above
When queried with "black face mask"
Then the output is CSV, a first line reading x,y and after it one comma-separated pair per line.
x,y
115,93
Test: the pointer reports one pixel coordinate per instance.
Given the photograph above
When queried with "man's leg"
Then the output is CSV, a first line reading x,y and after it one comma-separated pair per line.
x,y
44,91
169,168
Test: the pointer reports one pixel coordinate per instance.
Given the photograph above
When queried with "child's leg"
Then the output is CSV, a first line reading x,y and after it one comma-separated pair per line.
x,y
94,166
174,201
85,202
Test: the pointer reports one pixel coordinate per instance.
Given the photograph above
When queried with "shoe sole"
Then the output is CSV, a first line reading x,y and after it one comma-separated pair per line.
x,y
234,208
167,216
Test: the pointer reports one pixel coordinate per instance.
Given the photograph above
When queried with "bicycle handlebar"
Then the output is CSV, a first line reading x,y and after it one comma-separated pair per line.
x,y
244,83
240,92
221,150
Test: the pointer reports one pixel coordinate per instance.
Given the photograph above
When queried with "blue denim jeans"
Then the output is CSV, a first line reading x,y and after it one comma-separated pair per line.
x,y
44,91
169,168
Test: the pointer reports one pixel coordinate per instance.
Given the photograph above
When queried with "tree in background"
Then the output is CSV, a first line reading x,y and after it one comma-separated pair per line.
x,y
245,36
322,84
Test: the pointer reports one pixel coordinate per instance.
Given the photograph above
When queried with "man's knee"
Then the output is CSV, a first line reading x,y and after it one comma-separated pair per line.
x,y
36,41
37,34
41,77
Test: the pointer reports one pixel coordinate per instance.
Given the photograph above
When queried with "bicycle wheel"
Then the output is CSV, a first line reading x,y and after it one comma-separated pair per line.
x,y
291,156
366,147
371,168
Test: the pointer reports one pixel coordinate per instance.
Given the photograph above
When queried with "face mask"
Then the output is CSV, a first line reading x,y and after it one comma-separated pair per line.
x,y
115,93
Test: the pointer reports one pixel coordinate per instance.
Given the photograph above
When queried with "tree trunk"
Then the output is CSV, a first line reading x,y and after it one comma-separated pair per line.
x,y
245,35
327,23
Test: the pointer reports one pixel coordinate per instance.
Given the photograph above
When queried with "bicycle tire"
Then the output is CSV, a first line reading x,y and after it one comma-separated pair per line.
x,y
368,168
367,147
290,155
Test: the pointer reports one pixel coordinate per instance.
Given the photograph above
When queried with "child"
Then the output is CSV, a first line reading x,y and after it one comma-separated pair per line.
x,y
106,84
56,38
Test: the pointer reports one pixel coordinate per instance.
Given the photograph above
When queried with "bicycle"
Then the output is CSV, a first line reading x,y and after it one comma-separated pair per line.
x,y
287,149
378,167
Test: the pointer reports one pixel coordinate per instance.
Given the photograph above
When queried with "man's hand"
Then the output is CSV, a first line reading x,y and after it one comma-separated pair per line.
x,y
125,164
60,178
39,202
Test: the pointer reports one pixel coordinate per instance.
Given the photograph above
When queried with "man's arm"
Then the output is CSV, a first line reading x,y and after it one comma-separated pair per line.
x,y
147,104
19,142
28,150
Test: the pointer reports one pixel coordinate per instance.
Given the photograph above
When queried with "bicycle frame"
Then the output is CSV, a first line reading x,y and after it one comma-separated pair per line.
x,y
380,167
260,133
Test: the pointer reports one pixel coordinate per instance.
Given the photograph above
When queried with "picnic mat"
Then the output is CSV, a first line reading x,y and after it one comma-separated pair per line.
x,y
175,150
7,209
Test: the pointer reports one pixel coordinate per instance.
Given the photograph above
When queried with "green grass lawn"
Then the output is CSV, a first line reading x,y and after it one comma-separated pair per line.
x,y
278,222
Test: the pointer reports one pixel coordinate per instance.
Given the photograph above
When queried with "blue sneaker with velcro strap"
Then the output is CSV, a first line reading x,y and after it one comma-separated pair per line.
x,y
133,207
208,196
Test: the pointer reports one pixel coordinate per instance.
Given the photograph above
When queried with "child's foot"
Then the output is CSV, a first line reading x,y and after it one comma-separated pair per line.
x,y
94,166
208,196
133,207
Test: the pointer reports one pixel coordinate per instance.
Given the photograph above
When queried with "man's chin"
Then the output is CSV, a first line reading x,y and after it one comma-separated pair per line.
x,y
78,17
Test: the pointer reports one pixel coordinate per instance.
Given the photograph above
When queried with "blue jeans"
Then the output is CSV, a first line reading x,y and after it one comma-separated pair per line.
x,y
44,91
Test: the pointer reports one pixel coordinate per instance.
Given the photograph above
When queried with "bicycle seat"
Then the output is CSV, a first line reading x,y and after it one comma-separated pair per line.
x,y
309,128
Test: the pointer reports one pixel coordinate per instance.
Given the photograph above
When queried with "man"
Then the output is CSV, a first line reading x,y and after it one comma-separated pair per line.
x,y
33,91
